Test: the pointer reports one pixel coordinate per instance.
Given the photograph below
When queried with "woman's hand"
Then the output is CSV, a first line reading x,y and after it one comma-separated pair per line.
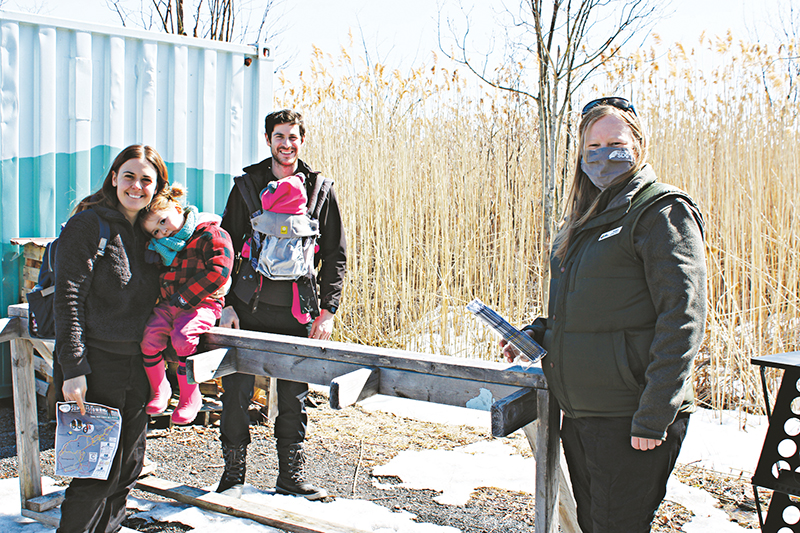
x,y
74,390
511,353
229,318
639,443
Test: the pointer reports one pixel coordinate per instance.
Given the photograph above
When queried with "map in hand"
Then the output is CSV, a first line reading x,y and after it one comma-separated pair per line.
x,y
86,444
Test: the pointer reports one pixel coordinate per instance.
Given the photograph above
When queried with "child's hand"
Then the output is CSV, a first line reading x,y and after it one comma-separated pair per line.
x,y
222,291
178,301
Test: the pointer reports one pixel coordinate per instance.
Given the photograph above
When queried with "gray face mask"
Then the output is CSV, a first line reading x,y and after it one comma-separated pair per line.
x,y
604,165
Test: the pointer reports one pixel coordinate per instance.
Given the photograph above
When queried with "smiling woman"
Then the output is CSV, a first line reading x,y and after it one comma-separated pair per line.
x,y
101,305
136,184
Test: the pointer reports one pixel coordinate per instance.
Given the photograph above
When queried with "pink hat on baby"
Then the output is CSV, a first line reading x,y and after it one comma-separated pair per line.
x,y
286,195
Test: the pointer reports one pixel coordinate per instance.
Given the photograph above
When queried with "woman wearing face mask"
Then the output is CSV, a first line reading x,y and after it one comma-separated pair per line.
x,y
626,316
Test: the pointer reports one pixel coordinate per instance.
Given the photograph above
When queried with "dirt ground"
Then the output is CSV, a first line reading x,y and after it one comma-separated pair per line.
x,y
343,447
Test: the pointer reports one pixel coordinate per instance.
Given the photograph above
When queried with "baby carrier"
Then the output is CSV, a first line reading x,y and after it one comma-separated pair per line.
x,y
285,228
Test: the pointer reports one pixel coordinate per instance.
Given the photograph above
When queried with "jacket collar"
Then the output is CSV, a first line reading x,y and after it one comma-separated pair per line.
x,y
621,203
264,169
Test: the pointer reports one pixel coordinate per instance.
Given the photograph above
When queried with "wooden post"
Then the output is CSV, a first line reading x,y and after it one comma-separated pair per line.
x,y
552,486
26,420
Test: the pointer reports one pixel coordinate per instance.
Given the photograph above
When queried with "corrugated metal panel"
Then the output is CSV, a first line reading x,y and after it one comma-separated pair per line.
x,y
72,95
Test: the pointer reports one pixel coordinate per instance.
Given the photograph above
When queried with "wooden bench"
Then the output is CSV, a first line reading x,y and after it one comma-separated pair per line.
x,y
519,400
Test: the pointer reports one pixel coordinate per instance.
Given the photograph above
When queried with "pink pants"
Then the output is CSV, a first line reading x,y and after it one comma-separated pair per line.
x,y
182,326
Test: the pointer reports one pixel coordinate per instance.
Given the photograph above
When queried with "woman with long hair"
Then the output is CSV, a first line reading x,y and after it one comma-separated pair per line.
x,y
626,317
101,306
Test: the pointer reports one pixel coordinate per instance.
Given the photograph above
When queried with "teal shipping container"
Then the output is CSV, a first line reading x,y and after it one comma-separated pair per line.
x,y
72,95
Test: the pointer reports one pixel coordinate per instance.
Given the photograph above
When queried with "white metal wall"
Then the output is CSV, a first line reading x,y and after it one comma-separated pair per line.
x,y
72,95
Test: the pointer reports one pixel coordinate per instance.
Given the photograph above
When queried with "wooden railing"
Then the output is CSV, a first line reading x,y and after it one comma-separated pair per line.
x,y
517,397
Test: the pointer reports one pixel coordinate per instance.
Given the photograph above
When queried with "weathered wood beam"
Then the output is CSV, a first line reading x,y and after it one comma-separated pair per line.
x,y
368,356
26,420
552,486
45,502
52,517
212,364
263,514
513,412
9,328
400,383
350,388
45,348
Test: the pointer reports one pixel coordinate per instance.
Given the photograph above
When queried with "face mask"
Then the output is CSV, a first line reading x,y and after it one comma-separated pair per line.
x,y
604,165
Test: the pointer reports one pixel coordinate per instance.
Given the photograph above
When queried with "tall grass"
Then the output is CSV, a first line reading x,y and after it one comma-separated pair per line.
x,y
441,195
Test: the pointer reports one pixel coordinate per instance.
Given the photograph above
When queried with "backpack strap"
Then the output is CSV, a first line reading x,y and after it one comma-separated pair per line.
x,y
105,234
246,186
319,195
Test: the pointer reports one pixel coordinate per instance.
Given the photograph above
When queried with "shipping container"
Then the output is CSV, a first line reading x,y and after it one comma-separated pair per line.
x,y
73,94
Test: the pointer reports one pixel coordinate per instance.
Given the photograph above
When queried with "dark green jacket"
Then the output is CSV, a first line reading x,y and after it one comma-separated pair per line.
x,y
627,309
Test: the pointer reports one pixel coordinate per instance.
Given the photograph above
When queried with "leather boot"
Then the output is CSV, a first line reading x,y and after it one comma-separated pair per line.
x,y
159,386
291,480
232,480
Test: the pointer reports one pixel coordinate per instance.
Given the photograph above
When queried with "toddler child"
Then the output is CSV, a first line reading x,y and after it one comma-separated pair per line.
x,y
198,257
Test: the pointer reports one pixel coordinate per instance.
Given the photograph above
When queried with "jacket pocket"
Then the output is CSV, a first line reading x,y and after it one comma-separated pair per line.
x,y
597,377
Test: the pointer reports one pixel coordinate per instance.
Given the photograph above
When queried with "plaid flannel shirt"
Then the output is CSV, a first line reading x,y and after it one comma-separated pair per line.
x,y
201,268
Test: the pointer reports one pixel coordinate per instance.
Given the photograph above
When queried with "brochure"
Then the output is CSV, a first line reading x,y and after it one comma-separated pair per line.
x,y
521,341
86,444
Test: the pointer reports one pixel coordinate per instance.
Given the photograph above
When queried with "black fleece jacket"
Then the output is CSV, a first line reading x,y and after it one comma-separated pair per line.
x,y
332,243
101,301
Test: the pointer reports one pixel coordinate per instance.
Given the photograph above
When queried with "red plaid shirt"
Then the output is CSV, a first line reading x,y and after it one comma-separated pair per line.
x,y
201,268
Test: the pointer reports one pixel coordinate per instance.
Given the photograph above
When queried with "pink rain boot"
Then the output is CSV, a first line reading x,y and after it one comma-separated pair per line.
x,y
189,403
159,385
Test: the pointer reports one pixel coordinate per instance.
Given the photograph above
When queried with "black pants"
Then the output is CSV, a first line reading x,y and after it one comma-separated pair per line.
x,y
616,487
94,505
290,425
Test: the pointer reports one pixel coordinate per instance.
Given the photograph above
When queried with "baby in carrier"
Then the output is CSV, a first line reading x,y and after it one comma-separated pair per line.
x,y
284,235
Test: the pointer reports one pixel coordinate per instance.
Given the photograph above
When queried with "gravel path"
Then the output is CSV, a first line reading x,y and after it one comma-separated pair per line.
x,y
342,449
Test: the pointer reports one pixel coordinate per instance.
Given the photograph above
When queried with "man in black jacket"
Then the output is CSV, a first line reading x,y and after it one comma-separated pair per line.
x,y
304,307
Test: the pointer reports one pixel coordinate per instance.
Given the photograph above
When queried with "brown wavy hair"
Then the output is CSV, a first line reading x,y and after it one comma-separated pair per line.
x,y
284,116
107,195
171,195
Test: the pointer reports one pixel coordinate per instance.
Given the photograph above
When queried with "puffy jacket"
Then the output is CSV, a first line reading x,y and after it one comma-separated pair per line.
x,y
627,309
202,267
104,301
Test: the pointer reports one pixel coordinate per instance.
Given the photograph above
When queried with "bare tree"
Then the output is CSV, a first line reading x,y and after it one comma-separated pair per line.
x,y
220,20
557,45
785,23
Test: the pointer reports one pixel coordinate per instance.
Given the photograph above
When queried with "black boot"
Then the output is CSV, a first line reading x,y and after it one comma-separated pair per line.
x,y
235,466
291,461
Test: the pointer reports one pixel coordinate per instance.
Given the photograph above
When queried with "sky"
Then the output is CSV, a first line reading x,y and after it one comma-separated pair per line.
x,y
401,34
724,442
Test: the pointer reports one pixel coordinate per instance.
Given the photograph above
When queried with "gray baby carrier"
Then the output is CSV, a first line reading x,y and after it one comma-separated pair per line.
x,y
284,245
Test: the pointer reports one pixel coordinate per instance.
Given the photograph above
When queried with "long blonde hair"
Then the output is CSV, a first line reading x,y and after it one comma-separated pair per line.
x,y
582,203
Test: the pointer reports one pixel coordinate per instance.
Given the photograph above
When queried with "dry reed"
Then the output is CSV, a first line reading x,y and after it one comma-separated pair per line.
x,y
441,193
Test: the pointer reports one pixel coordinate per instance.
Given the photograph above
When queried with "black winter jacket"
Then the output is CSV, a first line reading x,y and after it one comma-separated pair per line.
x,y
627,309
332,243
101,301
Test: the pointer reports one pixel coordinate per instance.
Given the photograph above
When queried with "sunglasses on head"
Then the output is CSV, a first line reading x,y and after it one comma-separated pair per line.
x,y
616,101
